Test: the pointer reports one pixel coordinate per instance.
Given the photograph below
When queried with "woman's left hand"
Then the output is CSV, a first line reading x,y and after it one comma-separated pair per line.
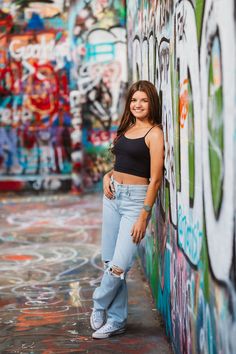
x,y
138,230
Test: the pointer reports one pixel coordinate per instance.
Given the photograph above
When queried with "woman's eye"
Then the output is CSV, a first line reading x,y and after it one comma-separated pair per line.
x,y
143,101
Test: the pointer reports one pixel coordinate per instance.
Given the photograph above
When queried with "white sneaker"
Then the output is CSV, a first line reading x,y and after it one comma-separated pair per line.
x,y
97,319
108,330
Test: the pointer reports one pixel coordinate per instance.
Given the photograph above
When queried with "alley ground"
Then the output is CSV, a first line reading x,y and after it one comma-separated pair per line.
x,y
49,266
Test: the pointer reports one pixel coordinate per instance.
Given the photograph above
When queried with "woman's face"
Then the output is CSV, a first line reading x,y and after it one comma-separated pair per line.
x,y
139,105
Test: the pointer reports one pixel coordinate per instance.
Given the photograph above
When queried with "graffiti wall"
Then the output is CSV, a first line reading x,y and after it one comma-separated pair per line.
x,y
35,121
62,79
187,49
98,80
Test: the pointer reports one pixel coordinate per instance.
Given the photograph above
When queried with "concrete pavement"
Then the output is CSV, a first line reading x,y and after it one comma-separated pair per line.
x,y
49,266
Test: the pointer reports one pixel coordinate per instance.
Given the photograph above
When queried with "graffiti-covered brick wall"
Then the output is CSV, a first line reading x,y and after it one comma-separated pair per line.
x,y
62,79
187,48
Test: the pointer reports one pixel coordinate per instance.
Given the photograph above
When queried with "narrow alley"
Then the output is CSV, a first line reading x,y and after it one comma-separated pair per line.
x,y
49,266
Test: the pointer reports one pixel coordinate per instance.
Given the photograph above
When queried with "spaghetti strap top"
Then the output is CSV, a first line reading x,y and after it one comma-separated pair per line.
x,y
132,156
148,132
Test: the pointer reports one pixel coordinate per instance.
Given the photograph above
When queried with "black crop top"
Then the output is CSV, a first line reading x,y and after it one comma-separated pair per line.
x,y
132,156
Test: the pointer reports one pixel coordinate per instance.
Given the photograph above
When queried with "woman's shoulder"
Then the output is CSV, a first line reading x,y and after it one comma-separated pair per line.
x,y
156,137
156,131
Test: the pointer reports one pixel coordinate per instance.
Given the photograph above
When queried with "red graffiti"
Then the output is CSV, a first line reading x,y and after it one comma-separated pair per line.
x,y
10,79
17,257
100,137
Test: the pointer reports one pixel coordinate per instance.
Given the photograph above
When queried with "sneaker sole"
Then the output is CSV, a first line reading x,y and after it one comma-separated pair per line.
x,y
107,335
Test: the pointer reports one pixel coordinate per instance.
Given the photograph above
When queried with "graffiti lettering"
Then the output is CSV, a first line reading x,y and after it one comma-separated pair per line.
x,y
98,138
44,51
189,236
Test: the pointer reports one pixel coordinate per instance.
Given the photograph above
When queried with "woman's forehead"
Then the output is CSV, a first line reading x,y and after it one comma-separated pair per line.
x,y
140,95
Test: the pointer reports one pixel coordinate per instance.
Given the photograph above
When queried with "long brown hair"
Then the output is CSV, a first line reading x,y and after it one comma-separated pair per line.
x,y
128,119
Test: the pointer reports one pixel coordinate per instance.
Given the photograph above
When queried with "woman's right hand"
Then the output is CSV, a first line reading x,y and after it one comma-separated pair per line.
x,y
107,186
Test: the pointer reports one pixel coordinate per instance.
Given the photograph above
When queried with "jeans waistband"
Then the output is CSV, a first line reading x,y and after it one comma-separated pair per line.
x,y
121,186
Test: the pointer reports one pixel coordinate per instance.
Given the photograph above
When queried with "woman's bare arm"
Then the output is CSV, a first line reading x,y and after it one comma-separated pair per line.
x,y
156,146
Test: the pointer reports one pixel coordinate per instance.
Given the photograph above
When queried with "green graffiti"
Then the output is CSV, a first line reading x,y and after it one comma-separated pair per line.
x,y
167,198
151,265
199,7
191,160
175,116
154,269
204,267
215,126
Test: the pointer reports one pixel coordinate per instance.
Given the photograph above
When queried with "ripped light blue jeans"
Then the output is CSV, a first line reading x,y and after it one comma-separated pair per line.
x,y
118,249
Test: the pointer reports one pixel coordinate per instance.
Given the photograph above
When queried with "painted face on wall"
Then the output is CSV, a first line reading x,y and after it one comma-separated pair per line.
x,y
42,89
139,105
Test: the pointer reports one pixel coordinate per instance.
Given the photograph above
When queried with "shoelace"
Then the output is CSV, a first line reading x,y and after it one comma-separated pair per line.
x,y
97,315
109,326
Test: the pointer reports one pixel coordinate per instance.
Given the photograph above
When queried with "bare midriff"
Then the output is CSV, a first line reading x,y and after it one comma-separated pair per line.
x,y
125,178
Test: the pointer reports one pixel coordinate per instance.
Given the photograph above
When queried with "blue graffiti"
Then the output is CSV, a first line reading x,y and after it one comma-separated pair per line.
x,y
189,237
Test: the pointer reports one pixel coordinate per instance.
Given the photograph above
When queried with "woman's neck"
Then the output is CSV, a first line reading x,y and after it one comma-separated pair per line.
x,y
143,124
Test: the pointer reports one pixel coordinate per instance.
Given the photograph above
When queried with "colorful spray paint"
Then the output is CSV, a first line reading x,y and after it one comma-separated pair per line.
x,y
62,78
35,121
187,49
98,76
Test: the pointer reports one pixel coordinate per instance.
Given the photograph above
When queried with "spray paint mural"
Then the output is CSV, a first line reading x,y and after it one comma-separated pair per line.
x,y
187,48
99,75
35,123
62,79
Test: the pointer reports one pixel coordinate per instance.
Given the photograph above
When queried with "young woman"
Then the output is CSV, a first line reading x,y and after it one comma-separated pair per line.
x,y
130,190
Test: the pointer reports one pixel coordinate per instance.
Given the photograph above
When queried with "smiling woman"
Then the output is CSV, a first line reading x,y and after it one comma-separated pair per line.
x,y
130,190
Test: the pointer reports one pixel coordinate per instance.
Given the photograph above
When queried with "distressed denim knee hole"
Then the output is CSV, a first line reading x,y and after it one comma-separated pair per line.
x,y
106,265
116,272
